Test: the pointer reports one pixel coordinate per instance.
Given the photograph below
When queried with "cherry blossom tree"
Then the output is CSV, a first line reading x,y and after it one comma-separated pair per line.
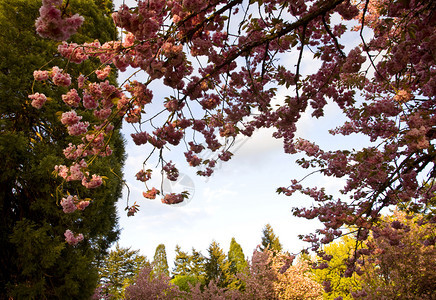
x,y
403,261
221,62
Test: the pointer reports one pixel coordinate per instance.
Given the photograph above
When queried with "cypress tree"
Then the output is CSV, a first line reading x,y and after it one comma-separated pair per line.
x,y
238,263
160,262
35,261
236,257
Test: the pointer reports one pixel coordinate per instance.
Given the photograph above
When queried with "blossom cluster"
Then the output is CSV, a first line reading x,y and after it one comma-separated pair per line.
x,y
71,204
51,24
71,238
225,79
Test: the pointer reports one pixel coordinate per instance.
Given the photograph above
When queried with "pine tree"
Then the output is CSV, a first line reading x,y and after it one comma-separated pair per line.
x,y
119,269
270,240
238,263
217,266
35,260
181,263
188,270
197,265
160,263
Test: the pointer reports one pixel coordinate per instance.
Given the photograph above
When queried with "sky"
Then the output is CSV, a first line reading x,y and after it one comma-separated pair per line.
x,y
238,200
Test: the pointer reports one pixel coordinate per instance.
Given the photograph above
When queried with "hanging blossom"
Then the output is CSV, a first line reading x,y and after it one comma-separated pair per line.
x,y
38,100
51,24
71,238
390,100
71,203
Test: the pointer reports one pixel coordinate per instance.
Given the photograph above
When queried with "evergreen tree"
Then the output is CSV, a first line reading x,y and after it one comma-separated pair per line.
x,y
160,263
181,263
119,269
217,267
238,263
236,257
188,270
270,240
197,265
36,263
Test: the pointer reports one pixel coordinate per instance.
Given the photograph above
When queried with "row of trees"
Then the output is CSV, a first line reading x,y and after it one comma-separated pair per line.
x,y
272,273
121,266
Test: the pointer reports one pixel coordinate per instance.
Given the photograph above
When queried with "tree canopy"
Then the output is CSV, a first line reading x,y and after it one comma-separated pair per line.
x,y
36,262
118,270
270,240
223,63
160,262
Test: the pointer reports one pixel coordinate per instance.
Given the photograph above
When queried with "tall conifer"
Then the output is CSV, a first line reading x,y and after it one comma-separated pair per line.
x,y
160,262
181,263
217,266
238,263
35,261
270,240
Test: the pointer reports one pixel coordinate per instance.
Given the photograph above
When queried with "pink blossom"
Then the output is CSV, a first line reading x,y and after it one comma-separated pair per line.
x,y
38,100
94,182
143,175
102,74
76,171
140,138
171,171
73,52
72,239
68,204
72,98
62,171
73,152
150,194
40,75
102,114
172,198
89,102
82,205
70,118
50,23
81,81
59,77
78,128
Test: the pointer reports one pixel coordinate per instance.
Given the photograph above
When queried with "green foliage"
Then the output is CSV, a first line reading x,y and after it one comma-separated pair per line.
x,y
270,240
181,263
188,269
197,265
185,282
160,262
36,262
119,269
340,286
236,257
238,263
217,266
